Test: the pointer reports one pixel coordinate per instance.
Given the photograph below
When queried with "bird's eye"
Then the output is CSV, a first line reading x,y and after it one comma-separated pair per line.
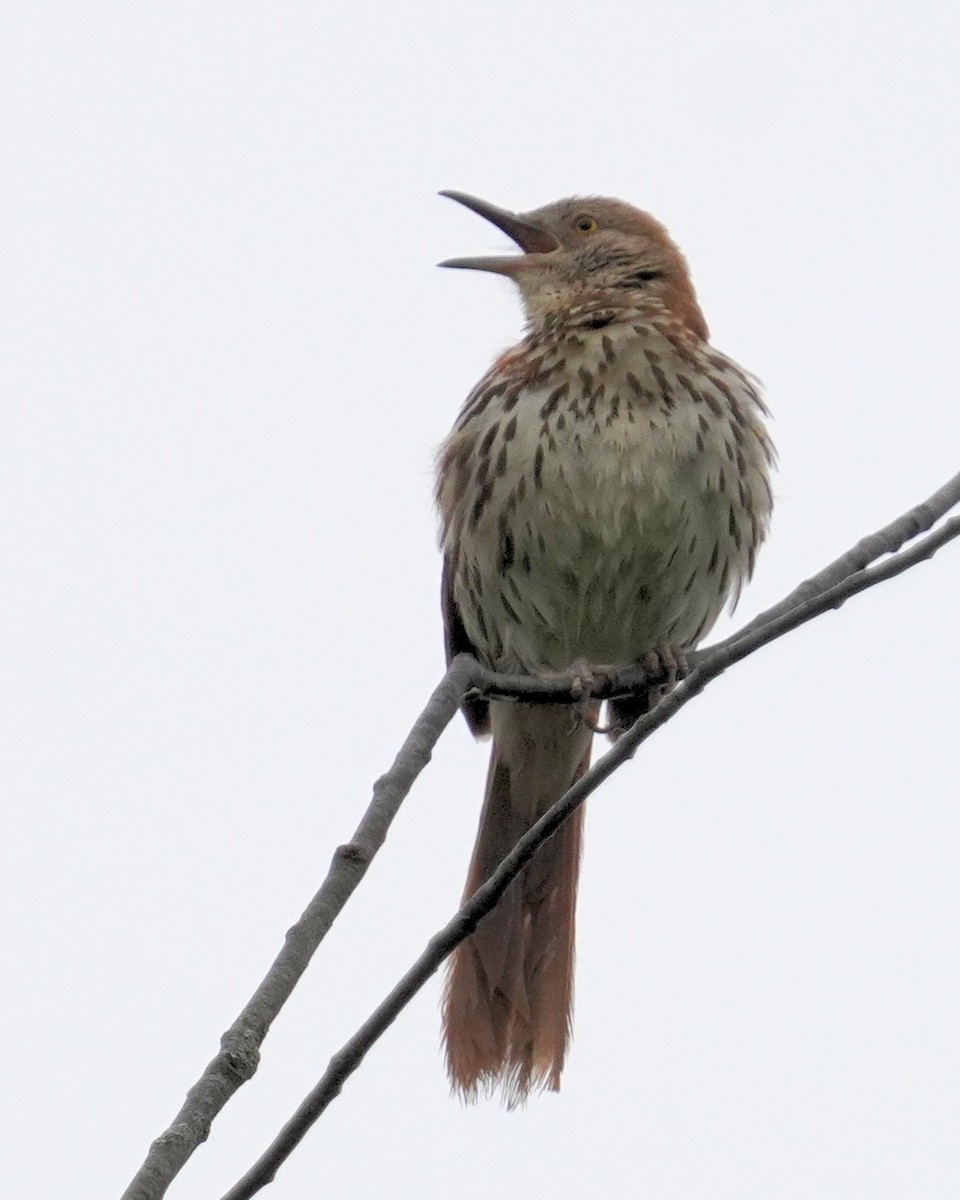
x,y
584,223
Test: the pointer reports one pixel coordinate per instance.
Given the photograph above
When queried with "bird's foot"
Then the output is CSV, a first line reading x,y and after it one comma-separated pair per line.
x,y
585,680
669,665
665,667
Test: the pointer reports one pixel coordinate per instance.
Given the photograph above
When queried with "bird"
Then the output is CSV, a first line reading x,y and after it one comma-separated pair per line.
x,y
602,496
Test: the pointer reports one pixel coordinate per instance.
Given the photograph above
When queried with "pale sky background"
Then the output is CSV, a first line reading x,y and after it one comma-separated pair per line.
x,y
227,358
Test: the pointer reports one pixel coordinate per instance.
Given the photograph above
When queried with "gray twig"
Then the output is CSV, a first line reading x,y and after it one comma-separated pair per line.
x,y
240,1046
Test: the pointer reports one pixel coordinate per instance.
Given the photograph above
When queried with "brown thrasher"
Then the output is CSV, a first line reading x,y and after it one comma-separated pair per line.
x,y
602,494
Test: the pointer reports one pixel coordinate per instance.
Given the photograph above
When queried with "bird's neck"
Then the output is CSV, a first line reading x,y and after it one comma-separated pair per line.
x,y
554,312
586,328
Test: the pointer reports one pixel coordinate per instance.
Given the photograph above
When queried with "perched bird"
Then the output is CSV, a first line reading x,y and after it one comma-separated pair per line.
x,y
602,495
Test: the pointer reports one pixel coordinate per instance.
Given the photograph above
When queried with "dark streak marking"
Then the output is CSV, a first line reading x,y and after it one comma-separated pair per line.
x,y
712,402
483,498
476,408
722,386
487,440
735,529
549,405
506,550
511,399
508,608
679,344
689,388
666,392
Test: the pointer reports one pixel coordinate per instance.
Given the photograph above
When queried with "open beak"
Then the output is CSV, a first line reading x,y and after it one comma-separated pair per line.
x,y
532,238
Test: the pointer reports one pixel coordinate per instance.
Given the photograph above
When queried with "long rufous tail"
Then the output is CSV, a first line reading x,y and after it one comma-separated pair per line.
x,y
508,1002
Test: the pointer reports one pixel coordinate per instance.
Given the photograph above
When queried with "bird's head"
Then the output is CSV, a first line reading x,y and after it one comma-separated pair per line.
x,y
589,252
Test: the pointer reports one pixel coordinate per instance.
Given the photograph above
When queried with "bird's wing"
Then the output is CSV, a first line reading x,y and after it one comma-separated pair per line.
x,y
457,641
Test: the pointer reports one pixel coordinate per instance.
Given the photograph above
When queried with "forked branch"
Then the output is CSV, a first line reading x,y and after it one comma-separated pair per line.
x,y
239,1054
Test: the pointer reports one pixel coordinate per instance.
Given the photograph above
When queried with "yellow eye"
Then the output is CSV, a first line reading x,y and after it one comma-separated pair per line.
x,y
584,223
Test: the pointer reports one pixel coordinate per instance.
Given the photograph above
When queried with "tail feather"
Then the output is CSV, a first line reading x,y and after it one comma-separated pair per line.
x,y
509,994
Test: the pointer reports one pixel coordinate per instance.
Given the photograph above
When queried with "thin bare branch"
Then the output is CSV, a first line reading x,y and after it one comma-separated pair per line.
x,y
712,663
239,1054
240,1046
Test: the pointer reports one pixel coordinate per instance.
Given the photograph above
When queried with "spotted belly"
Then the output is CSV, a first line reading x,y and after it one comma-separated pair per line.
x,y
592,569
609,521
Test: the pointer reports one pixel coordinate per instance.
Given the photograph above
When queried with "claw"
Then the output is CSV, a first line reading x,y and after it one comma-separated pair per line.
x,y
670,662
584,681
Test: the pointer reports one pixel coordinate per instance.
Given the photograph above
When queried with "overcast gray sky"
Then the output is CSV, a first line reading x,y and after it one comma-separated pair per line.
x,y
226,361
